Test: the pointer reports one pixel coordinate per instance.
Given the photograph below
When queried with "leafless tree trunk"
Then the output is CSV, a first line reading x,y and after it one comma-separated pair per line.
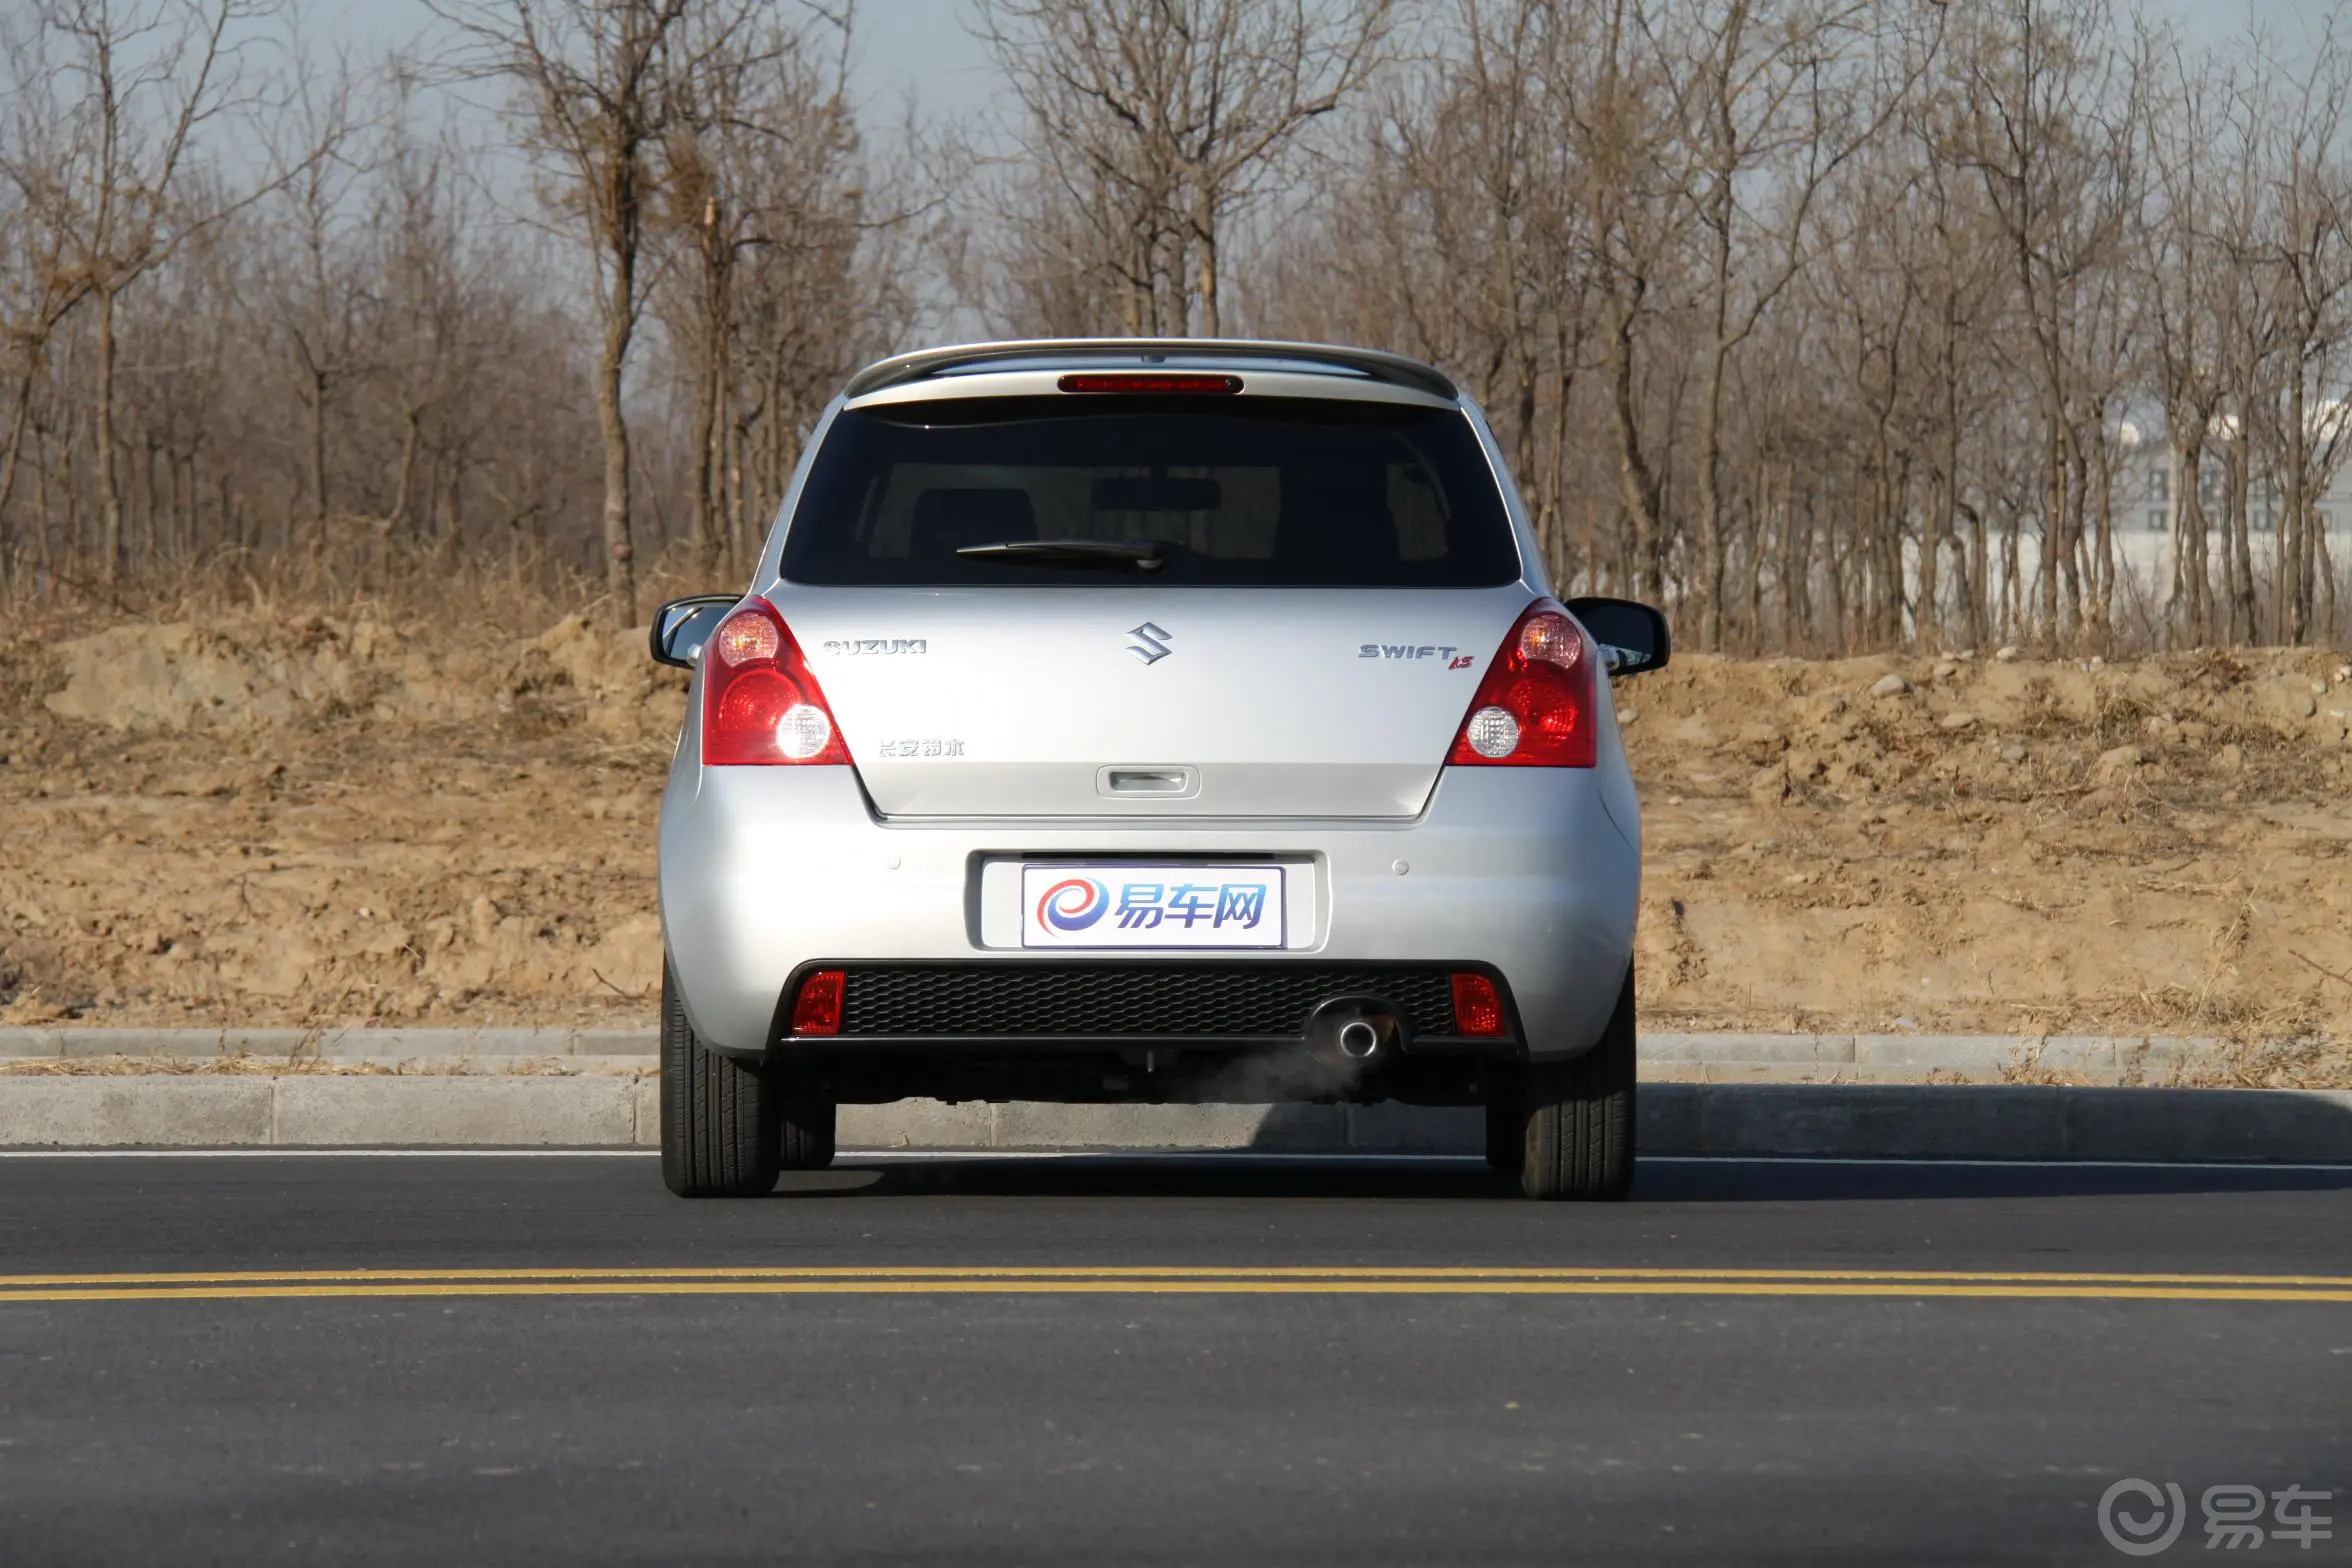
x,y
589,98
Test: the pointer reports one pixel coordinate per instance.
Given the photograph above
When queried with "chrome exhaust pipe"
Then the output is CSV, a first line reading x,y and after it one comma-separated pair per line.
x,y
1354,1033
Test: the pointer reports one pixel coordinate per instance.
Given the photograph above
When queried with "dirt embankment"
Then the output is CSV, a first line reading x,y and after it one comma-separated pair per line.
x,y
334,822
1999,845
330,822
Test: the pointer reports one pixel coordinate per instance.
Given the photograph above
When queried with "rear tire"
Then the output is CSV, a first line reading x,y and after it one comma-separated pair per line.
x,y
1576,1117
722,1122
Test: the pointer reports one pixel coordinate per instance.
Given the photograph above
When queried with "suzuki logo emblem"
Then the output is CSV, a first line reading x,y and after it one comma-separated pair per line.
x,y
1150,644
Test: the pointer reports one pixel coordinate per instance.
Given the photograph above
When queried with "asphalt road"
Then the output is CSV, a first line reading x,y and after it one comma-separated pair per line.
x,y
1226,1358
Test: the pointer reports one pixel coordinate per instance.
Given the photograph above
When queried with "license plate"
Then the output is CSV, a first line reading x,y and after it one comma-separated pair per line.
x,y
1160,906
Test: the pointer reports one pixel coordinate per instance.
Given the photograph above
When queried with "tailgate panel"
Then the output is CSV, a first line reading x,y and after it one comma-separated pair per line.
x,y
1041,702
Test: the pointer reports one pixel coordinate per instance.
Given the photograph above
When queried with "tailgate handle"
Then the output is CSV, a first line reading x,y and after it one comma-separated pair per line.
x,y
1165,782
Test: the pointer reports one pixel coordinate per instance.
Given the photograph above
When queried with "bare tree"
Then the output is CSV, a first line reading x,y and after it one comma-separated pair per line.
x,y
1776,99
317,297
762,154
1620,117
2049,137
2180,271
424,338
1160,122
144,76
587,78
37,231
2308,256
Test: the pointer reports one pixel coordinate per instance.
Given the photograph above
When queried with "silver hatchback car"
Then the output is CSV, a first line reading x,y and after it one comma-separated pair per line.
x,y
1134,720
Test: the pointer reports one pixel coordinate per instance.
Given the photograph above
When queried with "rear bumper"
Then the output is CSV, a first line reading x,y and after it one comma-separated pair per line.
x,y
1140,1003
768,871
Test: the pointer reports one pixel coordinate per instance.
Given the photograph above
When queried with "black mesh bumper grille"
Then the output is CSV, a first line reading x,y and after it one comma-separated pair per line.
x,y
1136,999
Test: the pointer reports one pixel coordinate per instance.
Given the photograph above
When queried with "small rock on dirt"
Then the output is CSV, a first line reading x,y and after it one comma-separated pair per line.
x,y
1959,721
2007,655
1889,685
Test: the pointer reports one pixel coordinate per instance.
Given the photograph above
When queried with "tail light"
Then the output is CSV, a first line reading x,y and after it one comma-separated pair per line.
x,y
1535,707
760,703
817,1008
1478,1007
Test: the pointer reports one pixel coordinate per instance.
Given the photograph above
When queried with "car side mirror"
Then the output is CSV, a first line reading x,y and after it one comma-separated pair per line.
x,y
682,626
1633,637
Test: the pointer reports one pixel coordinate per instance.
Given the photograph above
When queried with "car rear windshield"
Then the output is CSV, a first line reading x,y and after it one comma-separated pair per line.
x,y
1250,493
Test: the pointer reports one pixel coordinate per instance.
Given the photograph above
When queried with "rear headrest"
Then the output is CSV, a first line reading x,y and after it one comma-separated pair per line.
x,y
945,521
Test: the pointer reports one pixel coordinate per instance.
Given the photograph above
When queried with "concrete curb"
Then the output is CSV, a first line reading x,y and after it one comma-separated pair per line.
x,y
2003,1122
1665,1058
74,1041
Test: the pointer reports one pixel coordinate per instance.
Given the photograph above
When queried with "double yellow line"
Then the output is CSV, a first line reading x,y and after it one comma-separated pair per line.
x,y
257,1285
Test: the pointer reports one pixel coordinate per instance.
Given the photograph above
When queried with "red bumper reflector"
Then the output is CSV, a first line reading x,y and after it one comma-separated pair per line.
x,y
1150,383
817,1009
1478,1010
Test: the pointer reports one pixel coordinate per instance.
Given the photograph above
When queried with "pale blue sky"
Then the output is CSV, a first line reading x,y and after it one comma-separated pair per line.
x,y
901,44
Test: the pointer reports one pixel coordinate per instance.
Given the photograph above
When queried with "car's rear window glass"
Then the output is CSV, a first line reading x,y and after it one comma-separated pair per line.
x,y
1250,492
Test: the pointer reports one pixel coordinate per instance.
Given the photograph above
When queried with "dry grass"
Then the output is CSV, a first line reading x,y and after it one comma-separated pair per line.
x,y
350,571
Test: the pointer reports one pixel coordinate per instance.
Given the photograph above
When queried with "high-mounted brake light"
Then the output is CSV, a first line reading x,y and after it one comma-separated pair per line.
x,y
760,702
1535,707
1149,383
817,1009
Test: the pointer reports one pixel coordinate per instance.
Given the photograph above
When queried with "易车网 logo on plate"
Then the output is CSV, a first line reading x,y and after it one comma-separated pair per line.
x,y
1073,904
1155,906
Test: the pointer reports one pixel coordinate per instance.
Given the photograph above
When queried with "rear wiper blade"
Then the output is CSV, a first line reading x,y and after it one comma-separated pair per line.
x,y
1143,555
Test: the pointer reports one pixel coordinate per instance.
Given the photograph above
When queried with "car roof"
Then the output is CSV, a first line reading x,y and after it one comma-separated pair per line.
x,y
1044,354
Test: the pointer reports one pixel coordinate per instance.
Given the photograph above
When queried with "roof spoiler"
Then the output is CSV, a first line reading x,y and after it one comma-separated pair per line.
x,y
924,363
